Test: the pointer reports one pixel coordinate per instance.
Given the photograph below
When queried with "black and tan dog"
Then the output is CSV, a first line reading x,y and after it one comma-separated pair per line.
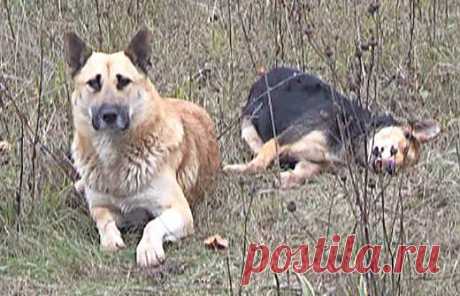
x,y
317,128
134,149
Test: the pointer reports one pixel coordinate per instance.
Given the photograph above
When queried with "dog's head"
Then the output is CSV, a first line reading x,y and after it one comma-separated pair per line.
x,y
112,91
396,147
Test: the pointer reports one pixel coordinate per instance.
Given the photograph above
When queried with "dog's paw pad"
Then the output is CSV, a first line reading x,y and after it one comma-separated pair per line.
x,y
150,254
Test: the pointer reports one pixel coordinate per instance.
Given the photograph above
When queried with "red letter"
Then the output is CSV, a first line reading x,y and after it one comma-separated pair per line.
x,y
303,262
276,257
332,256
319,251
432,262
374,262
346,258
400,256
249,265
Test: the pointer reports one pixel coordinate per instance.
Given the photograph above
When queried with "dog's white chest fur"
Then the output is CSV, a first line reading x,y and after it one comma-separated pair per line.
x,y
119,171
152,198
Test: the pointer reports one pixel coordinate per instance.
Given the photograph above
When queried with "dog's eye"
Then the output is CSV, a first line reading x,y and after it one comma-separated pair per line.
x,y
393,151
95,83
376,151
408,135
122,82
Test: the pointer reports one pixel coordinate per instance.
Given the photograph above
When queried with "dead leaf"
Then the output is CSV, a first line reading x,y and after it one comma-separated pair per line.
x,y
216,242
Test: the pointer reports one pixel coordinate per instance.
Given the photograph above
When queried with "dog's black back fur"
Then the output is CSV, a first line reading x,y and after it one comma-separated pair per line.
x,y
302,103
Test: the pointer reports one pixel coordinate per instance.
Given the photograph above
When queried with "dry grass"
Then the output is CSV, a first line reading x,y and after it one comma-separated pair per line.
x,y
51,247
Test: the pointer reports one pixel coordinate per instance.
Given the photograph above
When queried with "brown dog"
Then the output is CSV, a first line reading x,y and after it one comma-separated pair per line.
x,y
134,149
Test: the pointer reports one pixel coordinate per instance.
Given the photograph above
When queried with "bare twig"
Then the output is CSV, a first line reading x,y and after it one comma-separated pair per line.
x,y
99,26
245,232
411,36
277,282
36,136
272,118
21,178
63,162
246,37
230,285
10,22
230,43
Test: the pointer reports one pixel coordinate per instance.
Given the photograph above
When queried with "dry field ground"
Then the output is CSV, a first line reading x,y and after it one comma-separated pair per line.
x,y
207,51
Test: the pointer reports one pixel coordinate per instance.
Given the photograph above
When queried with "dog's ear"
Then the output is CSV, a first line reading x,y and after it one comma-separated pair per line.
x,y
139,50
76,52
425,130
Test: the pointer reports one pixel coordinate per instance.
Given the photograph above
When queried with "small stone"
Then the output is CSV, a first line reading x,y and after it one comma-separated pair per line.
x,y
329,52
308,31
373,42
291,206
373,7
371,184
365,46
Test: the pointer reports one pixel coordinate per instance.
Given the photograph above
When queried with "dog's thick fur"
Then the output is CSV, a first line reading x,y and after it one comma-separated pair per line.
x,y
157,154
310,125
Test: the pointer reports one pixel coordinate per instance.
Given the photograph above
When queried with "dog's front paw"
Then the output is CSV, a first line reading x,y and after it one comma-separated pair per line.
x,y
111,240
235,168
150,253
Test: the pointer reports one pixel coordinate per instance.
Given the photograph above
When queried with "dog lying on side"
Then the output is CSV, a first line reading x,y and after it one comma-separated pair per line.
x,y
134,149
314,127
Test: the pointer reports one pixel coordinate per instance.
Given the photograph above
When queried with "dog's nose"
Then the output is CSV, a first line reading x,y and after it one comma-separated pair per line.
x,y
107,116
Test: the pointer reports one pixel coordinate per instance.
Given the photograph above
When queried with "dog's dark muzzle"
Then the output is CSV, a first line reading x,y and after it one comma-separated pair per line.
x,y
384,165
110,117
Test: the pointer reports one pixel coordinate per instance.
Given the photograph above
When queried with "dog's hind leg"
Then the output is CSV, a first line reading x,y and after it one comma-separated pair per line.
x,y
109,234
250,135
303,171
268,152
